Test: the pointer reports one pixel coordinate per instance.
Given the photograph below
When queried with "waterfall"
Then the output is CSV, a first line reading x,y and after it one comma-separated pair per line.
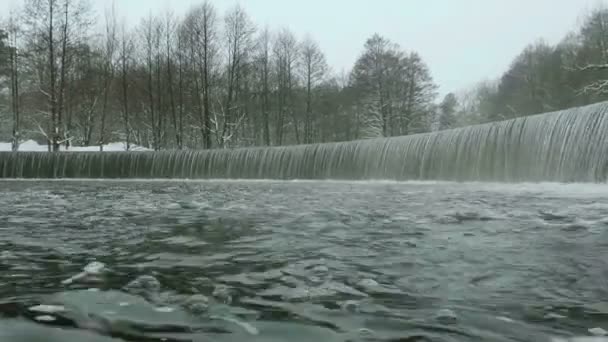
x,y
569,145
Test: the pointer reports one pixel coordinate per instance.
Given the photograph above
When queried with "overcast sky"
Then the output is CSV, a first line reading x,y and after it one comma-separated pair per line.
x,y
462,41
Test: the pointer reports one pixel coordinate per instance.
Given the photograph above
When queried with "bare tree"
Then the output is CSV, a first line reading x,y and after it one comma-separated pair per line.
x,y
264,70
53,76
314,67
150,31
53,27
447,111
285,53
201,23
370,78
594,35
170,37
109,51
125,53
181,42
420,94
239,32
395,88
13,60
189,83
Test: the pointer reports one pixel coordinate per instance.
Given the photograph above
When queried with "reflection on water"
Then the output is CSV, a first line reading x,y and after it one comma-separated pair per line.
x,y
301,261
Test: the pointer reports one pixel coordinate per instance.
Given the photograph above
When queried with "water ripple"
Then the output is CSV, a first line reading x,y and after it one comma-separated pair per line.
x,y
327,261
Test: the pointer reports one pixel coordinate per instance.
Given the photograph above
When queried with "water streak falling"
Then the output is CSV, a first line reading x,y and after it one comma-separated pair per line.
x,y
569,145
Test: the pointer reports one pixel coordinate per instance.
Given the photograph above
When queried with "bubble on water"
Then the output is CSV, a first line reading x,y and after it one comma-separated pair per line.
x,y
203,282
145,284
222,293
366,332
197,304
367,283
320,269
350,306
446,316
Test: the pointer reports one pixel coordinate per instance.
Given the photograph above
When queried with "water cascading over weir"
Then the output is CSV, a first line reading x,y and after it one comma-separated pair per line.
x,y
566,146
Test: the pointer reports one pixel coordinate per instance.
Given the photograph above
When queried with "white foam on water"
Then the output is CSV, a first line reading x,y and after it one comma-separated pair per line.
x,y
597,331
47,308
246,326
505,319
73,278
45,318
367,283
553,315
94,268
551,188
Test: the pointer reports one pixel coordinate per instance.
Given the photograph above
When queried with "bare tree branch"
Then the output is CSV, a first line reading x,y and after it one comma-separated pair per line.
x,y
598,87
593,67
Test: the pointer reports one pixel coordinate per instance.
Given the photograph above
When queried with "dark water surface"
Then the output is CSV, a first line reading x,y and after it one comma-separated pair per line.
x,y
301,261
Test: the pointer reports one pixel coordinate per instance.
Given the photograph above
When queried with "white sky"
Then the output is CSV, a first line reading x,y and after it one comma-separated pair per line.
x,y
462,41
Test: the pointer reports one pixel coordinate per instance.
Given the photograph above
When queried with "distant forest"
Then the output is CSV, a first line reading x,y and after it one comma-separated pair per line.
x,y
218,80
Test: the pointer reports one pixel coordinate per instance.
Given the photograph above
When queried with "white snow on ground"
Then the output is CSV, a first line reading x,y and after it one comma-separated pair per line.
x,y
32,146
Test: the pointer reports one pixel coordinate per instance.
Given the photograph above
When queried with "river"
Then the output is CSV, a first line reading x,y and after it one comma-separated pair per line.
x,y
301,261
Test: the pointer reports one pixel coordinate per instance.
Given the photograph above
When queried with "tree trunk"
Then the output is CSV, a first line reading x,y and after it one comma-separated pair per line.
x,y
159,117
172,97
125,99
266,102
54,134
207,110
64,43
14,92
180,128
104,109
308,119
151,96
197,95
206,85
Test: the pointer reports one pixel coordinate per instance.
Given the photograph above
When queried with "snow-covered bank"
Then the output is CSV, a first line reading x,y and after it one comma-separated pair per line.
x,y
33,146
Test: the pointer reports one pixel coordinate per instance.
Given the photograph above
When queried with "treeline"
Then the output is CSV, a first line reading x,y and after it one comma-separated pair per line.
x,y
217,80
204,80
542,78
